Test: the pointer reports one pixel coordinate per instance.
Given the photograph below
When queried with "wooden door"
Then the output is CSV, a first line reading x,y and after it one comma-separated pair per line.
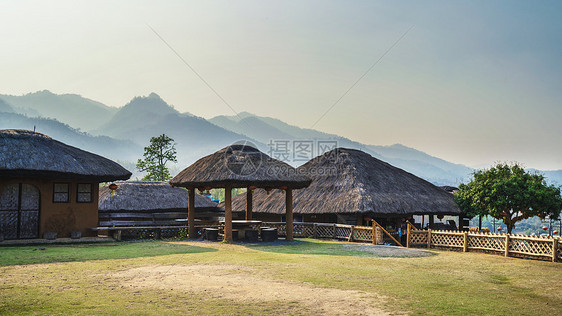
x,y
19,211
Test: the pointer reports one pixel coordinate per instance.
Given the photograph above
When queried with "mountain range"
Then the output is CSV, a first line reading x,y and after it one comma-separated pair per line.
x,y
121,133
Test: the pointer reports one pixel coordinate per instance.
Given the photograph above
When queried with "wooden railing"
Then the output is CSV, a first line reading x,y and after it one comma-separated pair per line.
x,y
324,230
532,247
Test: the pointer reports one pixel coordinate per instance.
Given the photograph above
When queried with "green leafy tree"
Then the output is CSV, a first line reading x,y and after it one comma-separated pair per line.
x,y
509,193
160,151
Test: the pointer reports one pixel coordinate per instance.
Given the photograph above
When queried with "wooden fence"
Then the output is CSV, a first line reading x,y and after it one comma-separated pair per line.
x,y
531,247
322,230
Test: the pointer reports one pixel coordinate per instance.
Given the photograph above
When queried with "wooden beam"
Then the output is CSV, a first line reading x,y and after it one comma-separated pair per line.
x,y
248,204
431,221
228,214
289,213
191,213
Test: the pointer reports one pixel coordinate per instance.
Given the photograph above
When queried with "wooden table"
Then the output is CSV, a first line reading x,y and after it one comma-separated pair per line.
x,y
242,226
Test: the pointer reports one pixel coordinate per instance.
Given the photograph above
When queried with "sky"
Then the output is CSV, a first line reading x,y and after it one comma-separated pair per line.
x,y
472,82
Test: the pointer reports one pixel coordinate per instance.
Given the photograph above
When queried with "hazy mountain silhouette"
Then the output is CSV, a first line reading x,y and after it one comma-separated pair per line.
x,y
146,117
77,111
418,162
5,107
125,131
240,124
135,114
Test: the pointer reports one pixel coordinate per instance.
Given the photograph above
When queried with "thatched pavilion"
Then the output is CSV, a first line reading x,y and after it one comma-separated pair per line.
x,y
158,201
48,186
240,166
350,186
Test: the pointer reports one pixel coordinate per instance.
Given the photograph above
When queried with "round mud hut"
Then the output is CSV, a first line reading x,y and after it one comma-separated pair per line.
x,y
240,166
352,187
49,187
140,203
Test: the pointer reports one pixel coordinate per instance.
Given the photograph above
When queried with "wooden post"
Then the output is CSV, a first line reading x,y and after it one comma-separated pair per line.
x,y
117,235
431,221
480,222
314,232
374,233
335,232
506,245
191,213
248,204
555,242
228,214
350,238
409,231
428,238
465,242
289,213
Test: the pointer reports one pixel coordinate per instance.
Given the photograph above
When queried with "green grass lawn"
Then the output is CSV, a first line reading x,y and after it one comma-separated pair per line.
x,y
14,255
80,279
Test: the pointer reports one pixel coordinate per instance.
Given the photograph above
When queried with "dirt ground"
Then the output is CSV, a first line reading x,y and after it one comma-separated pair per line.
x,y
238,283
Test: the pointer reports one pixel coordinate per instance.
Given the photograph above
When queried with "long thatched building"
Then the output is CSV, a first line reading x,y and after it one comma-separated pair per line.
x,y
150,203
350,186
48,186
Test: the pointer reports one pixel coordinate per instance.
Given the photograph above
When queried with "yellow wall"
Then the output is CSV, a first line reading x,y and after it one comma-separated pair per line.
x,y
62,218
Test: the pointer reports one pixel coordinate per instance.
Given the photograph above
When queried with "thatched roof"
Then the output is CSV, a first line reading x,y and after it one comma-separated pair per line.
x,y
351,181
239,166
145,196
30,154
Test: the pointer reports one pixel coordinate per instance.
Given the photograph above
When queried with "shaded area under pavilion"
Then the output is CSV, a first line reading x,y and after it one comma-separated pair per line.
x,y
239,166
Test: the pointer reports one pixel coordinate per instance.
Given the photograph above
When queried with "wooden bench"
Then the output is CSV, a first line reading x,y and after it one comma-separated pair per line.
x,y
141,219
117,231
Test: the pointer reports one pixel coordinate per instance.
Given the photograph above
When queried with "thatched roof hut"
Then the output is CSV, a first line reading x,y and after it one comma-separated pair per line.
x,y
134,196
49,187
26,153
351,181
239,166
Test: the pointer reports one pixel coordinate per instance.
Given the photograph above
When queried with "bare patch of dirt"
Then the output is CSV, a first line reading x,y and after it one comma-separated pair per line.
x,y
240,284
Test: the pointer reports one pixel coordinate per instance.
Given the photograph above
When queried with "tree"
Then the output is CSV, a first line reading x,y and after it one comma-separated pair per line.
x,y
160,151
509,193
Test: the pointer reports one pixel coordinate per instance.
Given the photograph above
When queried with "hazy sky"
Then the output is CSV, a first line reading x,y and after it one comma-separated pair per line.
x,y
473,82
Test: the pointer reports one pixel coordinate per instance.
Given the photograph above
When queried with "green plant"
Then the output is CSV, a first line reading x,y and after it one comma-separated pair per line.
x,y
508,192
160,151
182,234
